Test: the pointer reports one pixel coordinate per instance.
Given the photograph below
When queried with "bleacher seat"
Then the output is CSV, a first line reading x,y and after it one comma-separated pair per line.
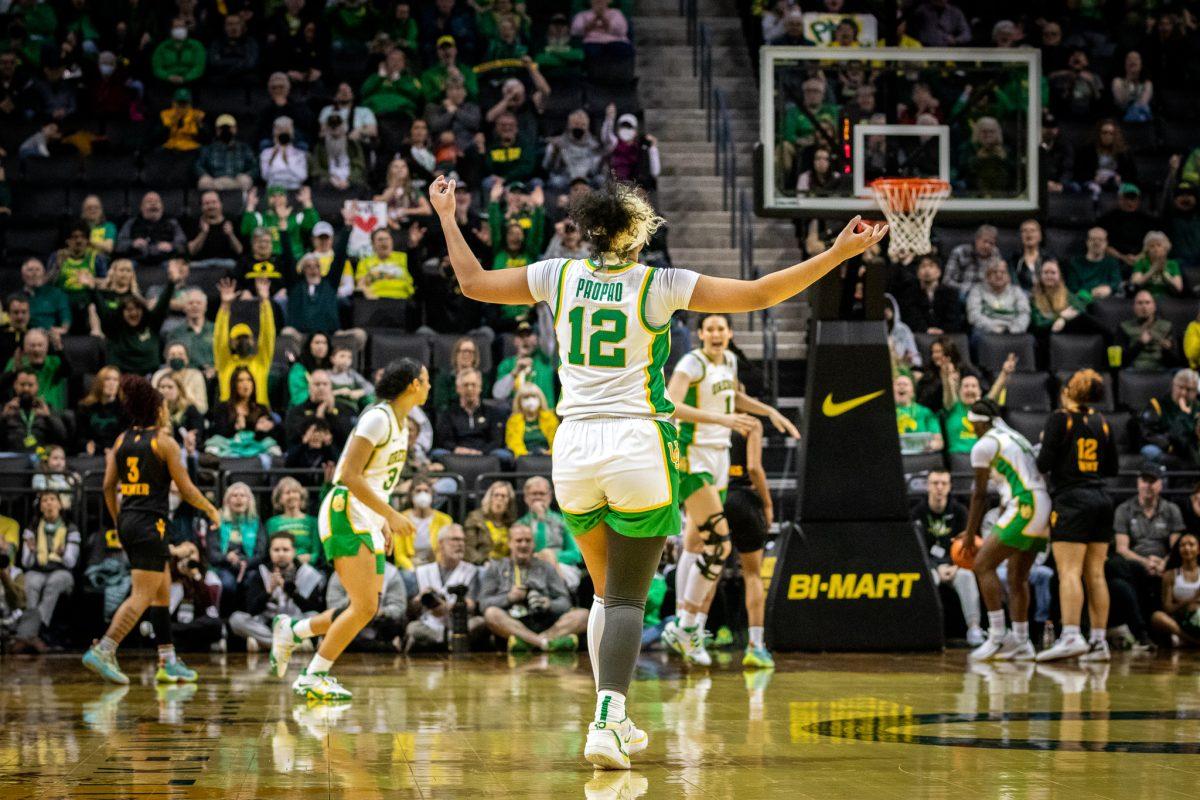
x,y
920,463
1179,310
39,203
994,348
174,200
391,314
386,346
470,467
61,171
1106,403
166,169
1069,352
84,354
1070,210
246,470
28,239
1028,391
1136,387
328,202
537,465
1111,312
1027,423
1065,243
108,170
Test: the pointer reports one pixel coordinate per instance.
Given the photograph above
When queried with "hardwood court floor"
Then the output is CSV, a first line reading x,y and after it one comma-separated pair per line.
x,y
819,728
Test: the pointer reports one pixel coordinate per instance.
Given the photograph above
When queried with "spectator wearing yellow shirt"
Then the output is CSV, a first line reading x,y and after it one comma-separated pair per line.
x,y
234,346
181,123
531,427
384,274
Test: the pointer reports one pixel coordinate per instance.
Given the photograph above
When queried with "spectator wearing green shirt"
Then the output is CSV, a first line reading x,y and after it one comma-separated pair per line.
x,y
521,206
561,56
282,221
515,251
798,126
433,80
290,501
552,542
51,369
529,363
508,155
393,89
917,425
1153,271
1095,271
180,60
132,330
49,308
402,28
350,24
1053,308
960,392
101,232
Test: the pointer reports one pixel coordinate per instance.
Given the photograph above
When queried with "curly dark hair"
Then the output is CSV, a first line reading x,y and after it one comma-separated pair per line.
x,y
141,401
611,216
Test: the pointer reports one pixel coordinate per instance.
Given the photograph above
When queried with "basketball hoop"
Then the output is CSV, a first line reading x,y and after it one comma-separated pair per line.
x,y
909,205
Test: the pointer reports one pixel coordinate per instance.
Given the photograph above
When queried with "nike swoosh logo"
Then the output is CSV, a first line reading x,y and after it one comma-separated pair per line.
x,y
832,409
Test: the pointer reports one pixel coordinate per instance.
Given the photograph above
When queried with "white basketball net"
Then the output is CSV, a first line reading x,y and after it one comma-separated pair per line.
x,y
909,204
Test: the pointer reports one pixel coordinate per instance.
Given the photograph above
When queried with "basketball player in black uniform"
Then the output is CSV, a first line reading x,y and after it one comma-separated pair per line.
x,y
749,511
138,470
1078,451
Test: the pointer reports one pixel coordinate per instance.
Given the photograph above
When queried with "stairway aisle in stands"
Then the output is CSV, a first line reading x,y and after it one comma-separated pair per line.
x,y
689,193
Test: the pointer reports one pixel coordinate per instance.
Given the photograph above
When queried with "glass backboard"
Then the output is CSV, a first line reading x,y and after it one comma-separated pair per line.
x,y
834,119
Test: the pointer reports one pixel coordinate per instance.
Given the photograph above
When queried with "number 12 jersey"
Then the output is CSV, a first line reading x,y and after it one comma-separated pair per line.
x,y
613,329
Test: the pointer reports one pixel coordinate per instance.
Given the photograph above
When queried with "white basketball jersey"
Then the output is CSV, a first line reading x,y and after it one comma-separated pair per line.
x,y
379,426
613,329
712,386
1010,456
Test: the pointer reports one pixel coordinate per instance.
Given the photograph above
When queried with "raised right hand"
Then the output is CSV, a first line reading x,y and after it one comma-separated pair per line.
x,y
856,237
441,196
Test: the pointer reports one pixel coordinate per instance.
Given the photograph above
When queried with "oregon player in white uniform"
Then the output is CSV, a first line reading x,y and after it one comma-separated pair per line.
x,y
615,454
1022,529
707,379
356,523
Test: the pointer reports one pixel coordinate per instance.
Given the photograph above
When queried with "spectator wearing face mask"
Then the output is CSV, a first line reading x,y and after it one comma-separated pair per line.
x,y
188,377
180,60
282,163
531,426
427,521
235,346
339,162
632,156
574,154
226,163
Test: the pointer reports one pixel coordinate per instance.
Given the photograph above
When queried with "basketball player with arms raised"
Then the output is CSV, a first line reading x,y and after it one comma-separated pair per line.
x,y
615,456
138,472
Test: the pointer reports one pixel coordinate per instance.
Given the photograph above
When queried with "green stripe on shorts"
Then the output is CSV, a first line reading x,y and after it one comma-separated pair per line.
x,y
692,482
1013,534
344,541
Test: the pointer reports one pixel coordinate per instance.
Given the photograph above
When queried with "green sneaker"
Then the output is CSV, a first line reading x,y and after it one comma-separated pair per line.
x,y
724,637
105,665
175,672
758,658
564,644
518,645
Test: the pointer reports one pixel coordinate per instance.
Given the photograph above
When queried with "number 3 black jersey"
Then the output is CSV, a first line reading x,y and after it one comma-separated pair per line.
x,y
144,480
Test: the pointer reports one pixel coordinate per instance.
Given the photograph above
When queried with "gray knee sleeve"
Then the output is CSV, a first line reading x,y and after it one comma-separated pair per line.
x,y
631,566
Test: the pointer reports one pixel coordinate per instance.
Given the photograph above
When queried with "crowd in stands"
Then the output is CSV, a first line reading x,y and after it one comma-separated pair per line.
x,y
230,198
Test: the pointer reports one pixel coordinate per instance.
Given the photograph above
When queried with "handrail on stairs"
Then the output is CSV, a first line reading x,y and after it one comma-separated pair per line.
x,y
748,271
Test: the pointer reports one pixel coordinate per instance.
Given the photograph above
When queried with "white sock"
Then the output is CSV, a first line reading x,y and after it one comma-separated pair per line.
x,y
996,628
595,630
318,665
107,646
302,629
687,619
701,619
610,706
756,636
1021,631
698,587
1097,635
166,654
1069,630
683,569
